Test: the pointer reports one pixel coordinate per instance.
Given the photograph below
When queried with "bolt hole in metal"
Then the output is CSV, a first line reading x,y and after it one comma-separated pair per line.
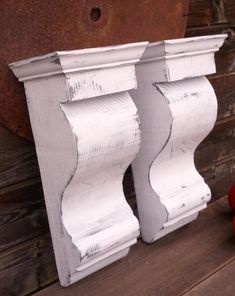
x,y
95,14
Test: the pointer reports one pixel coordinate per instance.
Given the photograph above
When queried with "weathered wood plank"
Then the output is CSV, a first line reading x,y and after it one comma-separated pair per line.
x,y
208,30
220,283
18,160
22,214
201,12
159,268
27,267
218,146
208,12
220,177
225,91
229,9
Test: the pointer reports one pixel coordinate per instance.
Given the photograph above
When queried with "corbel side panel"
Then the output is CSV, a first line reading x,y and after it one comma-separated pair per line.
x,y
177,108
86,131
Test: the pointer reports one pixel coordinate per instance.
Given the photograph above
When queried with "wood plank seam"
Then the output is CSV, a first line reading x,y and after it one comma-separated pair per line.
x,y
209,275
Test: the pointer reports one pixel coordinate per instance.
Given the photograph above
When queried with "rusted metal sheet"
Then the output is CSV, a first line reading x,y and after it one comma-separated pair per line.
x,y
30,28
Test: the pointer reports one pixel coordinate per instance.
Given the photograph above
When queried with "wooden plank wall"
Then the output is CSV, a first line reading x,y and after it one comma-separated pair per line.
x,y
215,157
26,255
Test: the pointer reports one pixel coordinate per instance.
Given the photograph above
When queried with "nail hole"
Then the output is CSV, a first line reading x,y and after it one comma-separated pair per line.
x,y
95,14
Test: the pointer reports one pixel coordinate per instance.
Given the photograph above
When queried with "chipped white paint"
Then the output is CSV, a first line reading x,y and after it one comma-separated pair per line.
x,y
86,131
177,108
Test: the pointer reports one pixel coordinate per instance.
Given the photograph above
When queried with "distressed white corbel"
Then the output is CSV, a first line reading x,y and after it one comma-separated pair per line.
x,y
86,131
177,108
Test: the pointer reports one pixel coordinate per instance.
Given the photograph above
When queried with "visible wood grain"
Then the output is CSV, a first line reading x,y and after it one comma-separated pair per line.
x,y
22,215
201,12
27,267
208,30
229,8
218,146
225,92
215,156
220,177
18,161
168,267
209,12
220,283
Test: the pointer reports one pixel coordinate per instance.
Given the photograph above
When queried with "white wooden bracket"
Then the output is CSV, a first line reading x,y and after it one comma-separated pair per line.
x,y
86,131
177,108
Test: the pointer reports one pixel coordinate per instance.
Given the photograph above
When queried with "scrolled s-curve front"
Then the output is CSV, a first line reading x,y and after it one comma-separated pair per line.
x,y
94,210
173,175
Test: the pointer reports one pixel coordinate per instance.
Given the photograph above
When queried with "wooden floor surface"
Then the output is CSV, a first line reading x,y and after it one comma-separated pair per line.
x,y
195,260
221,283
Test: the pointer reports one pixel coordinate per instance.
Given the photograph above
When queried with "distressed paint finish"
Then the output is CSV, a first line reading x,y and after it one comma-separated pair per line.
x,y
74,25
177,108
86,131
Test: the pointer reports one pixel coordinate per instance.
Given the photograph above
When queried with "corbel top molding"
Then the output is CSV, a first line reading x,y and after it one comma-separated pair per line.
x,y
78,60
174,48
183,58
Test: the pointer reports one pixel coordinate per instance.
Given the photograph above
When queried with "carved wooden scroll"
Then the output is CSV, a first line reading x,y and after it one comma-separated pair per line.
x,y
86,131
177,108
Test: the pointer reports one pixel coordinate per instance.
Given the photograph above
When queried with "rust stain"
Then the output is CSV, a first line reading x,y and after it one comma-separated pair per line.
x,y
28,30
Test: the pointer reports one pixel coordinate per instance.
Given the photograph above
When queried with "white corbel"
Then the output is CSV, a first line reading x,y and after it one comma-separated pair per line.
x,y
86,131
177,107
